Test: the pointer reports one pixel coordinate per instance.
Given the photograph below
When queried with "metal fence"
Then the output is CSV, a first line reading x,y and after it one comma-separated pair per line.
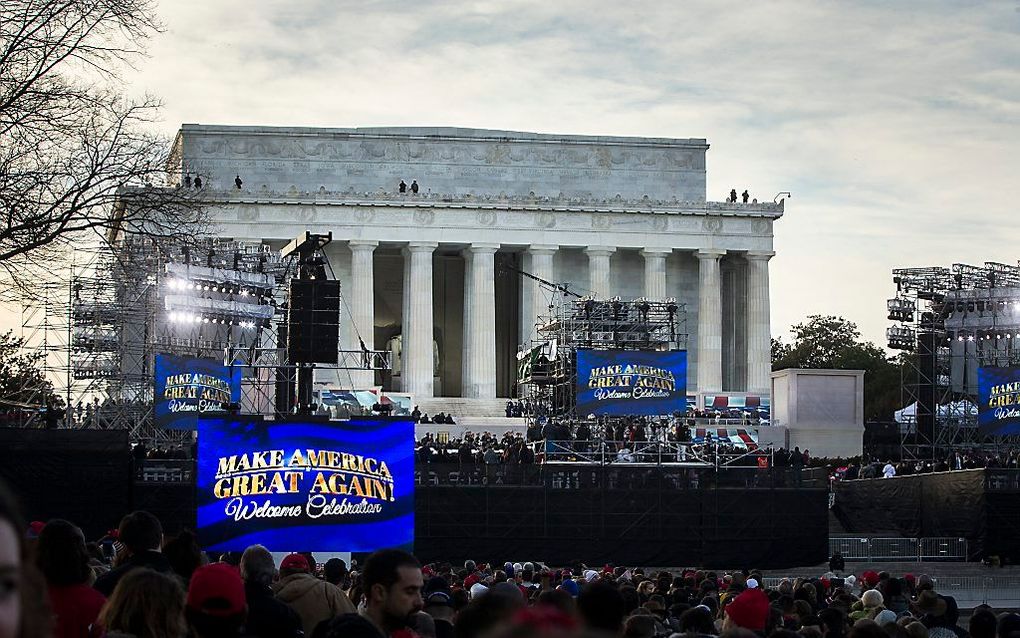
x,y
998,591
855,548
165,471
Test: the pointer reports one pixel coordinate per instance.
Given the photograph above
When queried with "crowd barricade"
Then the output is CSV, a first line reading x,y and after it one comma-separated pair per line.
x,y
850,548
942,548
997,480
855,548
998,591
165,471
615,476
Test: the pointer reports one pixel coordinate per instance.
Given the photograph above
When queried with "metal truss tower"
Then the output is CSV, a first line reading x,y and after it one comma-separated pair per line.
x,y
949,322
596,324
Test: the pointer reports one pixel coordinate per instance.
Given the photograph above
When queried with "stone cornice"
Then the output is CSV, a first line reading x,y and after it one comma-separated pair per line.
x,y
440,133
490,202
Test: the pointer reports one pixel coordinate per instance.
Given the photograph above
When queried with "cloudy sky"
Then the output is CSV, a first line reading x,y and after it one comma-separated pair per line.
x,y
897,128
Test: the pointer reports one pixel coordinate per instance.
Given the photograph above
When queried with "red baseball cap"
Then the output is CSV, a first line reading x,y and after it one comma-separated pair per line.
x,y
749,610
295,561
216,590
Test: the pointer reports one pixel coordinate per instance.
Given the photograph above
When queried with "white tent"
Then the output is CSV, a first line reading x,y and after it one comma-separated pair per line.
x,y
909,413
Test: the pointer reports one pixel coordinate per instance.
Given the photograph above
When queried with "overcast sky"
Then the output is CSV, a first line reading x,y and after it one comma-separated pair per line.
x,y
896,129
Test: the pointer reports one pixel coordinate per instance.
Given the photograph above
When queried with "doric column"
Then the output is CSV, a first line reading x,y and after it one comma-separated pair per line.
x,y
598,269
655,272
405,320
417,342
479,377
709,321
535,297
362,303
759,333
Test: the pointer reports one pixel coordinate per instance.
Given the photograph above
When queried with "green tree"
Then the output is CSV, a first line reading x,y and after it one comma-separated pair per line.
x,y
22,379
828,342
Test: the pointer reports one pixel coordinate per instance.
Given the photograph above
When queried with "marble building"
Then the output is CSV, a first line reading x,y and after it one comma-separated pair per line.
x,y
422,272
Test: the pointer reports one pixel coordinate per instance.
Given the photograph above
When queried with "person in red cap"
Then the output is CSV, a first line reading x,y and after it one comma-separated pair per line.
x,y
749,610
216,606
313,599
870,578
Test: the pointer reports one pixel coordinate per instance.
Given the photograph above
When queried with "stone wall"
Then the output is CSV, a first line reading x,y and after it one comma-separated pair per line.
x,y
443,160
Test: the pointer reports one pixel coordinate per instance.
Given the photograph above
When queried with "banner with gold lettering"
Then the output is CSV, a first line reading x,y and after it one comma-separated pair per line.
x,y
336,486
623,382
998,401
188,388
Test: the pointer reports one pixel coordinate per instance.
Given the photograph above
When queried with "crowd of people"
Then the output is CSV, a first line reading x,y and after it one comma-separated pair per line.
x,y
519,408
136,583
472,449
422,417
970,460
562,443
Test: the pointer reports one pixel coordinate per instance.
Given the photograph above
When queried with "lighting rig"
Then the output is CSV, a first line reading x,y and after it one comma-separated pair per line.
x,y
950,322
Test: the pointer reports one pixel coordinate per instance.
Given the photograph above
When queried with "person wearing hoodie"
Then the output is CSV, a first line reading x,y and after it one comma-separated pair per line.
x,y
314,600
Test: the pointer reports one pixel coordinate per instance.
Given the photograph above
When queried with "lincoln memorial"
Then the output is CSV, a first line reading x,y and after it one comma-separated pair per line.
x,y
435,275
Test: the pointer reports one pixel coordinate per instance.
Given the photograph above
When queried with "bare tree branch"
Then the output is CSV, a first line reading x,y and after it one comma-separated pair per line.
x,y
76,158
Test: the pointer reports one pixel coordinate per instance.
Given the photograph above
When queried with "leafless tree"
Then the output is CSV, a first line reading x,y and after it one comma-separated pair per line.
x,y
78,160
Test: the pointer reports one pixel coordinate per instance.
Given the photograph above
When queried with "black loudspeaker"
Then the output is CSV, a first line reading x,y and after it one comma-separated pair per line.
x,y
313,321
928,378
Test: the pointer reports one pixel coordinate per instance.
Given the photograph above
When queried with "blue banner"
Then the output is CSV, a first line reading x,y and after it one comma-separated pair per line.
x,y
336,486
998,401
623,382
187,388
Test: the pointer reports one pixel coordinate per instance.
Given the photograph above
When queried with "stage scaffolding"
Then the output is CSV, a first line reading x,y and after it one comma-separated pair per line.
x,y
949,322
550,372
101,328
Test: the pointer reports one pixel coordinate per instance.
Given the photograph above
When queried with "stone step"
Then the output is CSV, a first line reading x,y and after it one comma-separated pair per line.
x,y
460,407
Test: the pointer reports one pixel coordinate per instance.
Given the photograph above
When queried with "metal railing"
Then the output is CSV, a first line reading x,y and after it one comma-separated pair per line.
x,y
899,549
603,452
998,591
165,471
616,476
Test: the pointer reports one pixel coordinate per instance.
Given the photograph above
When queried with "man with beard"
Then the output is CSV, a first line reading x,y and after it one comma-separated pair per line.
x,y
393,583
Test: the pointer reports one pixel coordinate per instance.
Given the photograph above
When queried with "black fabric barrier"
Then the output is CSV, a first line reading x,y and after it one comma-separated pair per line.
x,y
83,476
648,516
982,506
770,528
635,516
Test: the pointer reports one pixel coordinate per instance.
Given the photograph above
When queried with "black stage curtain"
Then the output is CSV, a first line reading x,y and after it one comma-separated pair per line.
x,y
982,506
769,528
83,476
